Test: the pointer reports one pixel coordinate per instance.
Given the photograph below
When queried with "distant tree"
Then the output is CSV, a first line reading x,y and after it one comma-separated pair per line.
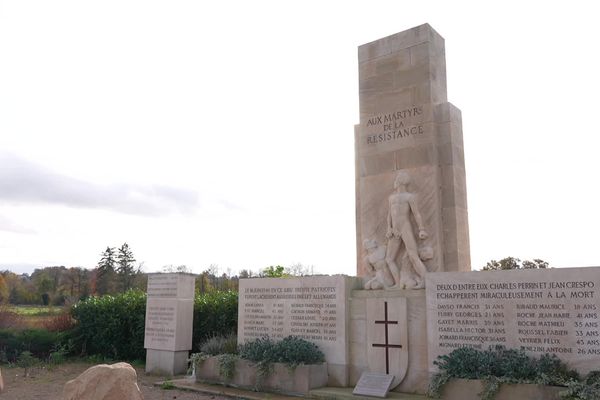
x,y
509,263
536,263
299,269
76,283
180,268
125,267
105,273
4,291
246,273
276,271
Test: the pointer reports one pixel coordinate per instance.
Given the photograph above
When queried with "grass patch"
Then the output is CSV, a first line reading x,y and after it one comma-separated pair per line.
x,y
36,311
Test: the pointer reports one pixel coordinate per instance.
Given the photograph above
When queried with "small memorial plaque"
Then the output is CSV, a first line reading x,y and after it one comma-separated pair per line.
x,y
373,384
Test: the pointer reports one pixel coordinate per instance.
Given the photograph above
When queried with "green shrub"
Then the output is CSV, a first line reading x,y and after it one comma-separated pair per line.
x,y
26,360
499,365
214,313
291,350
113,326
588,389
39,342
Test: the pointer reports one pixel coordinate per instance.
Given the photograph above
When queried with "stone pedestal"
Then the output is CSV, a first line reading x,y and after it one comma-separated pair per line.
x,y
169,320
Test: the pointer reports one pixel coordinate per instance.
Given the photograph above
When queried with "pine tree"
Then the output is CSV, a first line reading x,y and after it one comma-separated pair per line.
x,y
105,273
125,267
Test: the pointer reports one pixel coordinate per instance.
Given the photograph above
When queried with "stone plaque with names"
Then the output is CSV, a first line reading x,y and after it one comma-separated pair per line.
x,y
312,308
373,384
169,319
541,311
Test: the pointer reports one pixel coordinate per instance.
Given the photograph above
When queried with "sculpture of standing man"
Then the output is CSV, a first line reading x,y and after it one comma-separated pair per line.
x,y
399,230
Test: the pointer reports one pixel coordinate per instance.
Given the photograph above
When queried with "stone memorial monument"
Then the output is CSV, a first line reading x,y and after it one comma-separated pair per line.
x,y
169,319
411,213
410,174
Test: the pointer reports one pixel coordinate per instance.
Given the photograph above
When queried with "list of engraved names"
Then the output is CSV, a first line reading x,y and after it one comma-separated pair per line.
x,y
540,312
306,312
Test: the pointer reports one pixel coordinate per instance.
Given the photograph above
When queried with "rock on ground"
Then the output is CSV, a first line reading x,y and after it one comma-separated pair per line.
x,y
104,382
1,382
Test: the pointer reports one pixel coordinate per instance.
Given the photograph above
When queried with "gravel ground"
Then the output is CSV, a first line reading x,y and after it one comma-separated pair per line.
x,y
47,384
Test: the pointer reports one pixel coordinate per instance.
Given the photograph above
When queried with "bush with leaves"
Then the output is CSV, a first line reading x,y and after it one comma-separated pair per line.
x,y
113,326
588,389
499,365
39,342
215,313
292,351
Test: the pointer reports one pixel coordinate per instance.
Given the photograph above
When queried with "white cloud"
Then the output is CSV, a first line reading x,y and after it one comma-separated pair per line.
x,y
8,225
25,182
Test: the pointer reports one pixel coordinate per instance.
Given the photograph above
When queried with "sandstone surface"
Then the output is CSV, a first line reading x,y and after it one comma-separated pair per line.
x,y
104,382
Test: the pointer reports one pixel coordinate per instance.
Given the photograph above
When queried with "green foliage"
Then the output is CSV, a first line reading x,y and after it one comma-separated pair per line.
x,y
220,345
112,326
227,365
59,354
105,273
39,342
276,271
499,365
214,313
125,267
588,389
291,350
167,385
509,263
26,360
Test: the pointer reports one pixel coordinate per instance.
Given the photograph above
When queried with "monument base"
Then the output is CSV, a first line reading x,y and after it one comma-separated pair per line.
x,y
166,363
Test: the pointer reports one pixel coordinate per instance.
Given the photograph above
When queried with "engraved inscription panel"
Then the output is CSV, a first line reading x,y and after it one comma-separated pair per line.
x,y
312,308
554,311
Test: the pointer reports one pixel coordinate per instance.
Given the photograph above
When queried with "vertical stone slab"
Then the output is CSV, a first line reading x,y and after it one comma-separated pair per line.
x,y
169,320
314,308
406,124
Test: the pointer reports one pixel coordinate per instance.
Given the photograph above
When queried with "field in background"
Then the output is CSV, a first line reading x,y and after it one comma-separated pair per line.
x,y
23,317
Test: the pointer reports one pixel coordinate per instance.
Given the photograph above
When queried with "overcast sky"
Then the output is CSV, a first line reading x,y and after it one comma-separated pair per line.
x,y
222,132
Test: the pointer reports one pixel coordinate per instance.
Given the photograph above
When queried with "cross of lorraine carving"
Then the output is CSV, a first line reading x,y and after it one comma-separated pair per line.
x,y
387,346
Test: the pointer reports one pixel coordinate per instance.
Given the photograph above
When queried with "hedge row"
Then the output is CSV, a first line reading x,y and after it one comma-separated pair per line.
x,y
113,326
39,342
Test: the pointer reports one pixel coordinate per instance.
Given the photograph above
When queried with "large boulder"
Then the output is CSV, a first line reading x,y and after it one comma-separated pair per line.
x,y
104,382
1,382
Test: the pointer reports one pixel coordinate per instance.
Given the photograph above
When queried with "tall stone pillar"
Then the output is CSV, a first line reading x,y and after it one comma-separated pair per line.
x,y
169,322
407,125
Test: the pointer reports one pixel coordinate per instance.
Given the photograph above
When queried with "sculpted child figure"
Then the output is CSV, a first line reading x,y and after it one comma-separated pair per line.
x,y
377,268
399,230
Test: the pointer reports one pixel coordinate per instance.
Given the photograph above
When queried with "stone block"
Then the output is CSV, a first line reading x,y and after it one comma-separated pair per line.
x,y
297,381
166,362
394,43
470,389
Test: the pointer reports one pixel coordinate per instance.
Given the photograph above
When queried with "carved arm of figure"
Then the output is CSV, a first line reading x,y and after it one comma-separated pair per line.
x,y
415,210
370,268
